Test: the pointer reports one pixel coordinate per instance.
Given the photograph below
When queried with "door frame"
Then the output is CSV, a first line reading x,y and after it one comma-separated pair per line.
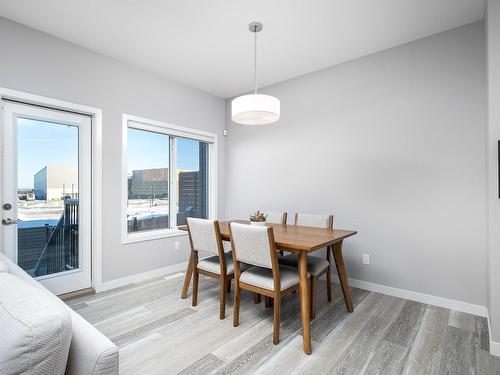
x,y
67,280
96,165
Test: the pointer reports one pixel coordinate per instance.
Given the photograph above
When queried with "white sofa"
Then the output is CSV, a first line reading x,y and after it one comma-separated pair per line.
x,y
90,352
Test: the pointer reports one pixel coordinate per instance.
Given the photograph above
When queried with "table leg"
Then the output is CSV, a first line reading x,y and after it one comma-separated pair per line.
x,y
187,276
339,262
304,302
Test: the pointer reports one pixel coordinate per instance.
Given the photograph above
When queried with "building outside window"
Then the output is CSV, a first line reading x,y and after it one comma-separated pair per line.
x,y
56,182
192,177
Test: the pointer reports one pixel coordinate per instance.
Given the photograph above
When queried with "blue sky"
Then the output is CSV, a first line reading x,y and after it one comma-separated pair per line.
x,y
148,150
42,143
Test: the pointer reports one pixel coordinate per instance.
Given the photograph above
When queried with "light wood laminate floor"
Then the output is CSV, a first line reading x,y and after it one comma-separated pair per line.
x,y
158,333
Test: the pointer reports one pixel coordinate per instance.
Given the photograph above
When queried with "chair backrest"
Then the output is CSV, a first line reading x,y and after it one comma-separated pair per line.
x,y
311,220
203,235
253,244
276,217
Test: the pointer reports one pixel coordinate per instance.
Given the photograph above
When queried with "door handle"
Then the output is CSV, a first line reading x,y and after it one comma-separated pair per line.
x,y
9,221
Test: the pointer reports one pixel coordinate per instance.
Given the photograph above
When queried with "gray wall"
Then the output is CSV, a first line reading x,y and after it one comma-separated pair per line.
x,y
40,64
493,38
393,145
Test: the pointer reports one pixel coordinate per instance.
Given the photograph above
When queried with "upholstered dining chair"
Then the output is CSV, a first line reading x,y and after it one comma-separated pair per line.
x,y
277,217
254,245
316,266
205,237
273,218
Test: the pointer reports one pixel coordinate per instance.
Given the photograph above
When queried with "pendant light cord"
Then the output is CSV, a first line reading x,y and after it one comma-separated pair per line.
x,y
255,59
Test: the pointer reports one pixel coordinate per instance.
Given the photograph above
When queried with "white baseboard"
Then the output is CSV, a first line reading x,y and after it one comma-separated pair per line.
x,y
107,285
419,297
494,346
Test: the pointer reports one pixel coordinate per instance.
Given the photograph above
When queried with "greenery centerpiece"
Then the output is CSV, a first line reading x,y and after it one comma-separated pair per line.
x,y
258,218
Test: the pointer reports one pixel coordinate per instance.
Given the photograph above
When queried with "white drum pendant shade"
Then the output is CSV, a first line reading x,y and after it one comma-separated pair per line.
x,y
255,109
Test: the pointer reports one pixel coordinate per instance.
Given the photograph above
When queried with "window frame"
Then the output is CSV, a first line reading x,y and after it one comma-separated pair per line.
x,y
173,131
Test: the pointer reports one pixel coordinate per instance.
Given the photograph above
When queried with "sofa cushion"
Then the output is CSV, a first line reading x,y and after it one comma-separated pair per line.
x,y
36,330
3,266
91,352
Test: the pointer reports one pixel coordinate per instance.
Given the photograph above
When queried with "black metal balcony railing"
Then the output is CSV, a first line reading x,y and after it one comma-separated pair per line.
x,y
61,250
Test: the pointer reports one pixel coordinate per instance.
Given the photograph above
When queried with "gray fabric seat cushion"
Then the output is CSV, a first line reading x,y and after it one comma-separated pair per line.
x,y
211,264
35,330
315,265
263,277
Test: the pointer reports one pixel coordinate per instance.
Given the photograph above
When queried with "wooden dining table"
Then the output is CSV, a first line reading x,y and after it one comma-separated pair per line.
x,y
302,241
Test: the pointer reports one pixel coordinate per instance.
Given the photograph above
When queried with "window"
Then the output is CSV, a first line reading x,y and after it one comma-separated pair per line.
x,y
147,180
168,176
192,179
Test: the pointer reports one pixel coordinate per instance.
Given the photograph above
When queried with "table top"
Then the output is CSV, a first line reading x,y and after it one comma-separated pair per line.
x,y
296,238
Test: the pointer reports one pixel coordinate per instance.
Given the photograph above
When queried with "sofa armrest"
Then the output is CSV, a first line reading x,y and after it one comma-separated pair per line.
x,y
90,353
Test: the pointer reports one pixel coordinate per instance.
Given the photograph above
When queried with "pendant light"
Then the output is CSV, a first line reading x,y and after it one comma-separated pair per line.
x,y
255,109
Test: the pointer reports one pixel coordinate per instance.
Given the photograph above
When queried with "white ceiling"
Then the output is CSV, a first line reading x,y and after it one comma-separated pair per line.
x,y
206,43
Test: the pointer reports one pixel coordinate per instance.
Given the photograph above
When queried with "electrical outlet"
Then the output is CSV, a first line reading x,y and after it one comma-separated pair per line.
x,y
177,245
366,258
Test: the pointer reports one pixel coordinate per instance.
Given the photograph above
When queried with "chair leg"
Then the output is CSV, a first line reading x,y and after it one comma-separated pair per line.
x,y
228,288
268,301
329,284
256,298
276,322
329,274
313,283
222,307
236,307
196,277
